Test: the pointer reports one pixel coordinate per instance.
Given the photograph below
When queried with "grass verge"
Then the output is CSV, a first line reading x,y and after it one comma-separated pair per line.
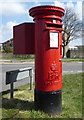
x,y
17,58
72,60
22,106
30,58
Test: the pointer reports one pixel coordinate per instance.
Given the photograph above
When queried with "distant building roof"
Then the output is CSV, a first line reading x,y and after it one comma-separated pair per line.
x,y
73,47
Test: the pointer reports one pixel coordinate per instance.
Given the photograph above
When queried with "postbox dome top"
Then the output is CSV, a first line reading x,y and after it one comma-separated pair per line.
x,y
45,10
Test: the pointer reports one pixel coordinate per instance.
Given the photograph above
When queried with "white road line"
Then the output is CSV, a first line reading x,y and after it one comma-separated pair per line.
x,y
80,71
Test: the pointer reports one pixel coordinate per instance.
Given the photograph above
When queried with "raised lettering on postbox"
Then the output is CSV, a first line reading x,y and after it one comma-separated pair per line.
x,y
53,75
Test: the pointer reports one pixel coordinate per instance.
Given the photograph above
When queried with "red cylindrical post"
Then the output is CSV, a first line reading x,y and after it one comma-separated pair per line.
x,y
48,55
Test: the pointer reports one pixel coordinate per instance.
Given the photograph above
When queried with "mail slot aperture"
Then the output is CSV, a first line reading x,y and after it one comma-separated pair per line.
x,y
54,25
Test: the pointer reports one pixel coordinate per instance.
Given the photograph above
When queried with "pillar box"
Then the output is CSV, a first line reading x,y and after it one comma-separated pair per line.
x,y
48,54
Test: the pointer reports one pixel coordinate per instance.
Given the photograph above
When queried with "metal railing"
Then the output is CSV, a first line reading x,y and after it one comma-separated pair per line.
x,y
19,74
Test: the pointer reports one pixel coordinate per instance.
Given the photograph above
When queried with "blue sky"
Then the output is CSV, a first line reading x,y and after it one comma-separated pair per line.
x,y
13,12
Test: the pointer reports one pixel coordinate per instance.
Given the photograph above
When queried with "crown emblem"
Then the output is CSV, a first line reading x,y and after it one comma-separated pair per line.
x,y
54,66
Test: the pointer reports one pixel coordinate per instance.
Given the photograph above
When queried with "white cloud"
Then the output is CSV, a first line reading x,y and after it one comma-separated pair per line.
x,y
9,8
70,4
7,31
25,1
1,35
13,1
76,42
59,4
78,9
13,8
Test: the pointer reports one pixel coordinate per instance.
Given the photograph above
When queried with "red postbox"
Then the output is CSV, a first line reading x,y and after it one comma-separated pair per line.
x,y
48,54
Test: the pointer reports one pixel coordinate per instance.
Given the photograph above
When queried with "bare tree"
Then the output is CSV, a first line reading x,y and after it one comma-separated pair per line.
x,y
72,28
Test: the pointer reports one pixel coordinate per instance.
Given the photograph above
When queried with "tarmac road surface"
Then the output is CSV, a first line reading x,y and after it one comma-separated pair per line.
x,y
68,68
